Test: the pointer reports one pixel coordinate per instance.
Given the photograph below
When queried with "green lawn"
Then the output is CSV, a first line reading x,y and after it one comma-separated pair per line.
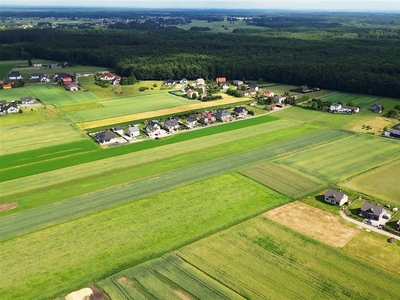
x,y
358,100
342,159
53,261
381,183
28,137
129,105
7,65
255,259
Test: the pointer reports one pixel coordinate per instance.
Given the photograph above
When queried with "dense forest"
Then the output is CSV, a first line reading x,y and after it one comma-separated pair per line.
x,y
368,62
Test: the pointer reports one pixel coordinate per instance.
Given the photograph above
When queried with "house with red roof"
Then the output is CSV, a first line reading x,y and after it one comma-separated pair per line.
x,y
107,76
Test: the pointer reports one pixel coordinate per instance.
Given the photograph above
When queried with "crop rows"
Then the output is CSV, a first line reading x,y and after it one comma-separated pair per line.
x,y
358,100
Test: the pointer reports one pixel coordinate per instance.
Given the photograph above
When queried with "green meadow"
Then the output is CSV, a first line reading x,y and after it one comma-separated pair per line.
x,y
357,100
61,258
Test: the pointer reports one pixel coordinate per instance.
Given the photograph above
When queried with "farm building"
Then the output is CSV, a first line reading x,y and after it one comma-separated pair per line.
x,y
335,107
372,211
335,197
105,137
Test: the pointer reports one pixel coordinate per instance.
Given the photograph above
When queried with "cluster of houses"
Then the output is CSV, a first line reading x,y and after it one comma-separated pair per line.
x,y
156,129
13,107
374,214
343,109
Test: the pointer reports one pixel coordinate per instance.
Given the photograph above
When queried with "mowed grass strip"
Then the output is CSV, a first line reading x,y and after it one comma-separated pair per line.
x,y
60,259
32,136
289,182
381,183
357,100
339,160
168,277
182,169
260,257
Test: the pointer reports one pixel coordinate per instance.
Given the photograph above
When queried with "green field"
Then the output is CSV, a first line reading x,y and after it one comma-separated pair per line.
x,y
258,259
55,260
342,159
381,183
28,137
7,65
130,105
289,182
358,100
50,94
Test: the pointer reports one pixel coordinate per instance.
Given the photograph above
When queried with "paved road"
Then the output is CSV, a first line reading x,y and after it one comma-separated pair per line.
x,y
366,226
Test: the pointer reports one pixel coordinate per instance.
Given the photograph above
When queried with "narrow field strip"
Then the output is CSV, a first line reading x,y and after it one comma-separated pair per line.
x,y
34,219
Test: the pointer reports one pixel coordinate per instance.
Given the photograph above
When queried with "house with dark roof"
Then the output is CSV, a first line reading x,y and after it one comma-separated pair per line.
x,y
183,81
223,115
118,129
240,111
335,197
14,75
394,132
377,108
304,89
10,108
153,127
169,82
26,100
106,137
372,211
171,124
36,75
191,121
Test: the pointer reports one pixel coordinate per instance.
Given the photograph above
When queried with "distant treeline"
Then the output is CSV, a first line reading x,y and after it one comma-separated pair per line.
x,y
360,65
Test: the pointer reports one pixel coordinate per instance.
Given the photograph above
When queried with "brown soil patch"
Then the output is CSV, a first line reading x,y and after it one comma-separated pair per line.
x,y
314,222
8,206
377,124
125,281
97,294
182,295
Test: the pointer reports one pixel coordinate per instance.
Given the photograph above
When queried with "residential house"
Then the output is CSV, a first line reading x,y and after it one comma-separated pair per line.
x,y
254,86
208,118
3,103
372,211
153,127
377,108
220,79
106,137
335,197
335,107
223,85
191,121
192,94
14,75
106,76
133,131
183,81
169,82
245,93
240,111
268,94
36,75
394,132
171,124
10,108
59,77
304,89
252,91
237,82
7,86
223,115
55,65
26,100
72,87
118,129
44,80
37,64
66,81
279,99
200,81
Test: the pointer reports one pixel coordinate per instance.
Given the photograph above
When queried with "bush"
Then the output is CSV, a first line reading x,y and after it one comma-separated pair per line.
x,y
143,88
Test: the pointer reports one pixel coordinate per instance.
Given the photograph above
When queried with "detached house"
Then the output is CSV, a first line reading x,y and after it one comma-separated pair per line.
x,y
208,118
26,100
133,131
220,79
191,121
268,94
223,115
237,82
279,99
14,75
107,76
304,89
377,108
240,111
169,82
36,75
335,197
106,137
171,124
153,128
372,211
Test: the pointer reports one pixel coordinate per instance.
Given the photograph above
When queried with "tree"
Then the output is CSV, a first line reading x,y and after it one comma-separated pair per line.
x,y
350,103
314,105
393,113
30,62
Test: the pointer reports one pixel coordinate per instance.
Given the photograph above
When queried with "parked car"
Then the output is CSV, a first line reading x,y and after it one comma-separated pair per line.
x,y
368,221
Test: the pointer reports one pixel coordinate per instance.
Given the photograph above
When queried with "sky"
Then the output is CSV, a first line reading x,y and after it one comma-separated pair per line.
x,y
340,5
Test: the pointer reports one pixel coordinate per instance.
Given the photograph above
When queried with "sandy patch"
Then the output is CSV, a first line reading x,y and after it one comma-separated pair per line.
x,y
83,294
182,295
313,222
8,206
377,124
125,281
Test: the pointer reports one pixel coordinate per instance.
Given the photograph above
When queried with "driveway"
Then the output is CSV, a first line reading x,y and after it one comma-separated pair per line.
x,y
366,226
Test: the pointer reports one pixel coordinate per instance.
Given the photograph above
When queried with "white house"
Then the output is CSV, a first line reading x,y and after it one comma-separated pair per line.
x,y
335,107
133,131
279,99
335,197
